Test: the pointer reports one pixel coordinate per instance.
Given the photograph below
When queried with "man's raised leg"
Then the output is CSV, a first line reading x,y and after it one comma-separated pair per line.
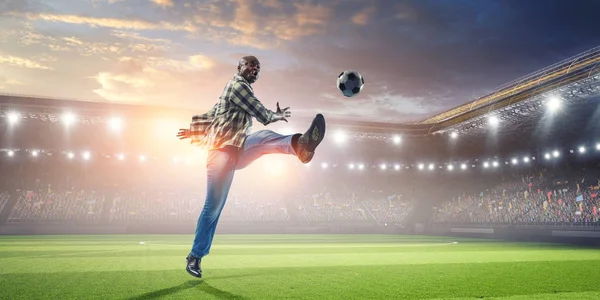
x,y
264,142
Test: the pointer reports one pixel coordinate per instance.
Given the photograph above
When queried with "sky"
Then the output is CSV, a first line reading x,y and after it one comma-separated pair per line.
x,y
418,58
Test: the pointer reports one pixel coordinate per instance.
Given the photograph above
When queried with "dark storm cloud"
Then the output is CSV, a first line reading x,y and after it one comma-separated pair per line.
x,y
445,53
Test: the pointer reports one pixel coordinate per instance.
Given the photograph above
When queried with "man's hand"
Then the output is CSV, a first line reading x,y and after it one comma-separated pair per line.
x,y
281,115
183,134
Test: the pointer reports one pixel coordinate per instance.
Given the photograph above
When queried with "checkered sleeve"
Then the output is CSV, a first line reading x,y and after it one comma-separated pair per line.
x,y
243,96
200,123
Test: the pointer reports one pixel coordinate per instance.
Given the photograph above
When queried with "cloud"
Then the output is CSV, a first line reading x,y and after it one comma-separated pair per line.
x,y
7,35
260,24
15,61
421,58
11,6
417,57
6,82
254,23
109,1
271,3
108,22
45,57
405,11
201,61
312,14
379,106
119,42
158,80
163,3
309,91
130,35
362,17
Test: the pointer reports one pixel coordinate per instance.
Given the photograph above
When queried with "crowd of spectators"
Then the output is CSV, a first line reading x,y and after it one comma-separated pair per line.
x,y
556,197
4,196
328,206
50,205
389,210
187,206
152,206
255,208
546,198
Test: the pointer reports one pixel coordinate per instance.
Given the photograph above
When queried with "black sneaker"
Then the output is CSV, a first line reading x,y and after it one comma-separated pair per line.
x,y
193,266
308,142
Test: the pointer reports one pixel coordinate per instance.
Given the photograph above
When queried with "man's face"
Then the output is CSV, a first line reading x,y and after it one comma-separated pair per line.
x,y
250,69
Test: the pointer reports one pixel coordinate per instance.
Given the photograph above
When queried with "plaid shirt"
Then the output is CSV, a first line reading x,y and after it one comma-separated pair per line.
x,y
230,120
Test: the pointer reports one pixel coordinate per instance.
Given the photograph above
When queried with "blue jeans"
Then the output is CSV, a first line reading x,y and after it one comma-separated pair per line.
x,y
221,165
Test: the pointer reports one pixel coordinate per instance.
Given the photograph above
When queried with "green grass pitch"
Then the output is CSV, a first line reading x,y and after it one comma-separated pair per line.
x,y
294,267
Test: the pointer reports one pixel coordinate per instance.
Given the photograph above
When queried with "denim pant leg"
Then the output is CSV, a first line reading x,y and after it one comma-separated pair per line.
x,y
264,142
220,168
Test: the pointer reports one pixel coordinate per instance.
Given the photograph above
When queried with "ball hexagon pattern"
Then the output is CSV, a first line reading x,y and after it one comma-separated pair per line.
x,y
350,83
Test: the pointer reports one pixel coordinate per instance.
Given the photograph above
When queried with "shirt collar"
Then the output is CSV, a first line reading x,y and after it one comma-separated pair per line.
x,y
240,78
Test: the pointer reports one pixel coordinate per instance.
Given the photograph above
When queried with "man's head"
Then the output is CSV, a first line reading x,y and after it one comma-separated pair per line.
x,y
249,68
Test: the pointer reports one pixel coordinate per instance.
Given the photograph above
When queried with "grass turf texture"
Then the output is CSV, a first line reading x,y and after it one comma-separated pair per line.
x,y
294,267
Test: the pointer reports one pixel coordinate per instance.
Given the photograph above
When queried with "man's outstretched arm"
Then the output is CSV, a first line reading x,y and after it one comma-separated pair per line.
x,y
243,97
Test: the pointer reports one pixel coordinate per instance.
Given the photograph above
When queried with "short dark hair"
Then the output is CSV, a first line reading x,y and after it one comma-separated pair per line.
x,y
245,59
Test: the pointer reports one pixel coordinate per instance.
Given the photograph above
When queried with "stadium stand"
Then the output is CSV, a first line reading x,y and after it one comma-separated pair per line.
x,y
389,210
545,197
53,206
121,207
4,196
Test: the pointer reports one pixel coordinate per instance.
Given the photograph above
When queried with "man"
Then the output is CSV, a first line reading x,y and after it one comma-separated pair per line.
x,y
224,131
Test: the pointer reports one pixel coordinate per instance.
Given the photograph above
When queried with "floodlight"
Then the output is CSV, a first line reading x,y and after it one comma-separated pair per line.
x,y
115,123
553,104
493,121
340,137
13,118
68,118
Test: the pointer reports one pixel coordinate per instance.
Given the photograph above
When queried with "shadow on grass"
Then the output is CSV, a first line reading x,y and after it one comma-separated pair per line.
x,y
200,285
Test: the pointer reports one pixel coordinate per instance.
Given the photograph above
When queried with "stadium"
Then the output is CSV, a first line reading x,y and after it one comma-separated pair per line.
x,y
495,198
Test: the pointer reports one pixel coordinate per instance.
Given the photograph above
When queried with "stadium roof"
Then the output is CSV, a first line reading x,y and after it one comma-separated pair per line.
x,y
575,80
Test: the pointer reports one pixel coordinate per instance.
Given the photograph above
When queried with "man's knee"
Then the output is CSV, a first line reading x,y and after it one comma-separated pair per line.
x,y
211,212
213,206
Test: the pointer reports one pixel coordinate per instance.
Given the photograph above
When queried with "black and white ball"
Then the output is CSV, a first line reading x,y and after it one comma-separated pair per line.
x,y
350,83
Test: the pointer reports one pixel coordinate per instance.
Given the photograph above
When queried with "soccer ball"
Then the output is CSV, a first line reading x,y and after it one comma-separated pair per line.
x,y
350,83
